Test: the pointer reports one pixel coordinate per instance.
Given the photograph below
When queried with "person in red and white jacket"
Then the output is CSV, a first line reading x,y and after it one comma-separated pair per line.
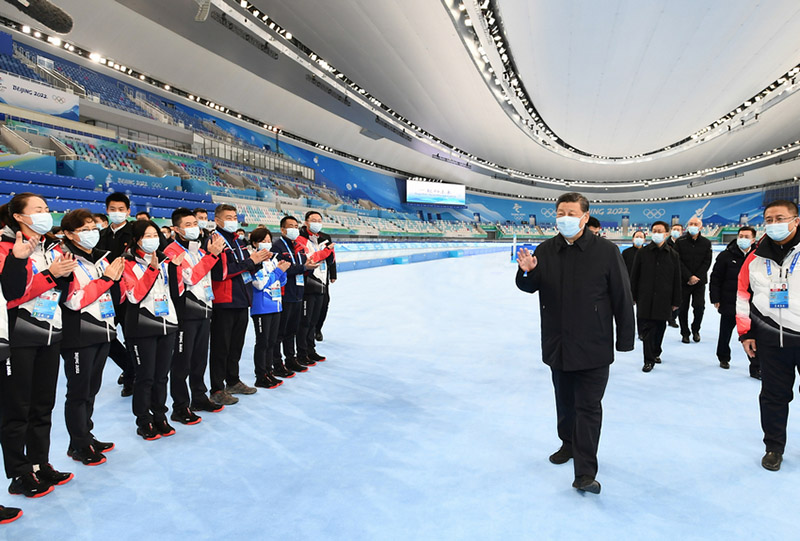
x,y
89,328
28,379
151,283
316,286
194,318
768,320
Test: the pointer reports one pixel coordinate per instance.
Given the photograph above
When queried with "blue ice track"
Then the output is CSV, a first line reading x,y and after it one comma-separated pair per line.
x,y
433,419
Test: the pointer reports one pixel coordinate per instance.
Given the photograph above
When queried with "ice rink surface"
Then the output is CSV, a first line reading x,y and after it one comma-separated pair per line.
x,y
433,419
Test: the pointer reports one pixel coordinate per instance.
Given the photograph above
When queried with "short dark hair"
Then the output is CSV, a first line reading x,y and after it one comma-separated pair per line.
x,y
677,225
199,209
258,235
179,214
311,213
660,222
138,230
75,219
791,205
286,219
118,197
101,216
143,212
573,197
593,222
640,232
748,228
224,207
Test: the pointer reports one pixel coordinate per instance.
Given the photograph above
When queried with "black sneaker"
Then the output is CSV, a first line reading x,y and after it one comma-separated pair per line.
x,y
275,381
584,483
304,361
561,456
164,428
49,476
648,367
127,389
102,446
266,383
314,356
185,416
685,339
696,336
148,432
87,456
772,461
292,365
283,372
204,404
724,364
318,336
9,514
29,486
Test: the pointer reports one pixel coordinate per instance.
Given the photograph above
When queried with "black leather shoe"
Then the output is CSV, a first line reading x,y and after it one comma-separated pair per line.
x,y
724,364
696,336
755,374
657,360
318,336
587,484
561,456
685,339
674,324
647,367
127,389
772,461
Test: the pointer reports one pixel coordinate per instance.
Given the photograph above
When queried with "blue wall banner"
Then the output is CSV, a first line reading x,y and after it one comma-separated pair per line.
x,y
20,92
102,176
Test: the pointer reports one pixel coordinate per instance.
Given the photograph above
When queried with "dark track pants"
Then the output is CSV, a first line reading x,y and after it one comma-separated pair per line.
x,y
228,330
778,367
189,360
122,354
580,414
84,370
290,321
323,313
153,356
27,397
266,329
307,329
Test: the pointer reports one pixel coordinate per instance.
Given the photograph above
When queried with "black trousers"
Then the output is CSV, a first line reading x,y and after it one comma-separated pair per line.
x,y
307,329
652,337
266,328
27,397
290,320
189,360
153,356
323,313
726,326
84,370
119,353
778,366
228,330
697,295
580,414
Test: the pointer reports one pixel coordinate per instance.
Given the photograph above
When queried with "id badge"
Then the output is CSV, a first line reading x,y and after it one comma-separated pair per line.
x,y
161,306
46,304
106,307
275,293
247,277
323,266
209,291
301,280
779,295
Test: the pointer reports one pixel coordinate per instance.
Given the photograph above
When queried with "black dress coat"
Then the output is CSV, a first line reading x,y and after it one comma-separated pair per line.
x,y
656,282
725,278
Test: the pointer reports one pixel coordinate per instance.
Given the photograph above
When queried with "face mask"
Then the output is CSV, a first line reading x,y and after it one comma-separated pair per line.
x,y
315,227
202,224
778,232
263,246
100,227
59,236
191,233
42,222
150,245
744,244
117,218
658,238
292,233
693,230
569,226
675,234
88,239
638,241
231,226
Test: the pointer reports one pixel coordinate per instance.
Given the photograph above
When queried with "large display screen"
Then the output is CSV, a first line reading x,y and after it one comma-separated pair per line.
x,y
435,193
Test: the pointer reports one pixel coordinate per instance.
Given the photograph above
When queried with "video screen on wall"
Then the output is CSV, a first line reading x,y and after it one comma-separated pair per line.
x,y
435,193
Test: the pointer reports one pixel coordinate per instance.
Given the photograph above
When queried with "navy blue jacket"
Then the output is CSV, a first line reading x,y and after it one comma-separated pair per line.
x,y
284,250
227,276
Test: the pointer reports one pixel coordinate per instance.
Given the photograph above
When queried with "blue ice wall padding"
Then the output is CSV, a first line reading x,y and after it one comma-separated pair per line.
x,y
344,266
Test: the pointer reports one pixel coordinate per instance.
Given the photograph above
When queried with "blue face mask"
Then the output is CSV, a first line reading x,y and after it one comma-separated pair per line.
x,y
150,245
42,222
676,233
658,238
191,233
231,226
89,239
638,241
693,230
778,232
744,244
569,226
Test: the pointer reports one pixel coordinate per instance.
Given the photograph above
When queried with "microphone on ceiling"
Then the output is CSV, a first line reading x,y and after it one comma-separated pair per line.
x,y
47,13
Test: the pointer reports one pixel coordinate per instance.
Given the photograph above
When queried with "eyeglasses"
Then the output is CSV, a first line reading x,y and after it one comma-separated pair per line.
x,y
778,220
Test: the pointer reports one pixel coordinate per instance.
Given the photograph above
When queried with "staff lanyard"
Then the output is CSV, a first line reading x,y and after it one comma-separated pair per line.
x,y
291,254
791,267
33,265
87,270
185,249
162,268
241,255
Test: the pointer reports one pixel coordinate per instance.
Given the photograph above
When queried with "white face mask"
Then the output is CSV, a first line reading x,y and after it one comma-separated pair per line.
x,y
150,245
117,218
693,230
263,246
41,222
638,241
676,233
315,227
778,232
292,233
658,238
202,224
89,239
569,226
744,243
191,233
231,226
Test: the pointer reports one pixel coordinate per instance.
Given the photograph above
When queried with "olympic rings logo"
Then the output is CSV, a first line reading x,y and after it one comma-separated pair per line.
x,y
549,213
653,214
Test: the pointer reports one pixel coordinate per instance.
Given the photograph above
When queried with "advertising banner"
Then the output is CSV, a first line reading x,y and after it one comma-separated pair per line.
x,y
34,96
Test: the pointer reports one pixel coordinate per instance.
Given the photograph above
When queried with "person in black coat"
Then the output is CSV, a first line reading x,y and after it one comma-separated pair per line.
x,y
583,288
629,254
674,234
694,251
656,288
723,285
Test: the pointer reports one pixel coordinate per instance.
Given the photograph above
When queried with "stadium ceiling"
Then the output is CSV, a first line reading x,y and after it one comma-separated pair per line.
x,y
610,79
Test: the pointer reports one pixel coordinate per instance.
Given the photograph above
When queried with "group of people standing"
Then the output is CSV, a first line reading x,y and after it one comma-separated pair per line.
x,y
587,289
173,296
